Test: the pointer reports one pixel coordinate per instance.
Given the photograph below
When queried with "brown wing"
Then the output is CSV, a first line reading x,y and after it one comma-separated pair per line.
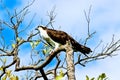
x,y
58,36
61,37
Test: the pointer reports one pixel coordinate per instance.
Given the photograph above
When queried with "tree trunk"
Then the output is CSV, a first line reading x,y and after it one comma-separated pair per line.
x,y
70,63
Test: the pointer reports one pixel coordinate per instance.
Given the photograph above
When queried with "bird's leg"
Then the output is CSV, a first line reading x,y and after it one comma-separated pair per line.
x,y
56,46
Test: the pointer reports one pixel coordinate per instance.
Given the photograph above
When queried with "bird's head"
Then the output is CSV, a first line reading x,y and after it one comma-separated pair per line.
x,y
39,28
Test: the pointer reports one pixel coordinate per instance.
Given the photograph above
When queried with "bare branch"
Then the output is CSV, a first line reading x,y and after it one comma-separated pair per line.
x,y
2,42
11,20
4,6
7,24
4,67
1,28
52,16
96,48
47,61
57,65
43,74
87,16
106,52
27,25
26,7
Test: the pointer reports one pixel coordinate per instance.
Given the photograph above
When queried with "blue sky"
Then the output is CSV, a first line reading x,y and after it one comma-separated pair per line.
x,y
105,20
13,2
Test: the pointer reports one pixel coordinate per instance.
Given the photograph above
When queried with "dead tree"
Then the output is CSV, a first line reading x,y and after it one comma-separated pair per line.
x,y
67,65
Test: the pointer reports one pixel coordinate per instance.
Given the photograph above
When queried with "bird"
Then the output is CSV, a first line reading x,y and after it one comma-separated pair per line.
x,y
56,38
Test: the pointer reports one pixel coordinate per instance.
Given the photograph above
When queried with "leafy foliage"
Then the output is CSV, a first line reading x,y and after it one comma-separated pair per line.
x,y
13,46
9,75
100,77
47,49
34,43
60,76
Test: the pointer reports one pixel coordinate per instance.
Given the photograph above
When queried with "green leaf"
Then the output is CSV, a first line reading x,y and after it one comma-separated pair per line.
x,y
45,45
13,45
100,77
48,50
61,73
1,69
32,44
5,60
87,78
8,73
44,51
93,78
103,75
37,42
18,39
17,78
13,77
60,76
5,77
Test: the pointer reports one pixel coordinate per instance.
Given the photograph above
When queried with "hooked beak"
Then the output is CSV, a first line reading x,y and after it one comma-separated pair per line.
x,y
36,28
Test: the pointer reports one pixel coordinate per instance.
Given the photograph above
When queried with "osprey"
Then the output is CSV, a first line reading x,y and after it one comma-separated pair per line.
x,y
55,38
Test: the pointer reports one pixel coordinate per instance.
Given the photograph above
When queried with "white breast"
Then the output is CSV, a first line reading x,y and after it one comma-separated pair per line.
x,y
43,33
45,36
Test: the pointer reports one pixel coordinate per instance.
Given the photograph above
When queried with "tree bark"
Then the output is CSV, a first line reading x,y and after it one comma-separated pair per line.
x,y
70,63
43,74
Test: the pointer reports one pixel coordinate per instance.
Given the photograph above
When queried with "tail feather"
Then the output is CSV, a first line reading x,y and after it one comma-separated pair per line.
x,y
79,47
84,49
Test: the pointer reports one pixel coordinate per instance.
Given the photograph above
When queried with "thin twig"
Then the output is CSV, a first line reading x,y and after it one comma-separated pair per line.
x,y
52,16
57,65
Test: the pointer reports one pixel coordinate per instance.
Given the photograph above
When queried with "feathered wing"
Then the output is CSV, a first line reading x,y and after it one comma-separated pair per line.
x,y
79,47
61,37
58,36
